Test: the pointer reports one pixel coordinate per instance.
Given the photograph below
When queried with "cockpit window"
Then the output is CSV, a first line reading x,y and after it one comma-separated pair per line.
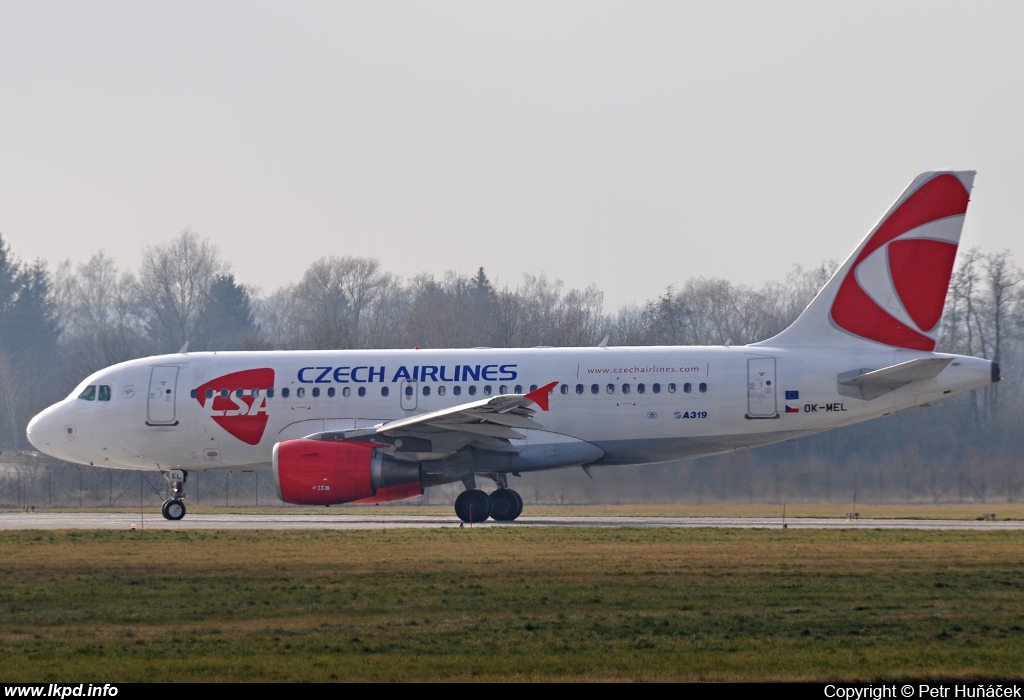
x,y
104,392
89,394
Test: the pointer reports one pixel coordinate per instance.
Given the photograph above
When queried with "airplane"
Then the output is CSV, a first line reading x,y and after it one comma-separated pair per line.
x,y
372,426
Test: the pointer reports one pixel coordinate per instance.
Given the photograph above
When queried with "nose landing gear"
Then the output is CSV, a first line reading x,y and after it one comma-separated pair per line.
x,y
174,507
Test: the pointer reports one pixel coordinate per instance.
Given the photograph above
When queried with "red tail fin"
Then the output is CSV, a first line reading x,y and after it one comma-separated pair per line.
x,y
893,288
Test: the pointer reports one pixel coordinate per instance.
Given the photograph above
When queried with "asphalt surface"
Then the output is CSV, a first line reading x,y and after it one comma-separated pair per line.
x,y
153,521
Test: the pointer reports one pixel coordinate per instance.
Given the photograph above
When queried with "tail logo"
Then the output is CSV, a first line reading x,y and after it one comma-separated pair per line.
x,y
237,402
895,291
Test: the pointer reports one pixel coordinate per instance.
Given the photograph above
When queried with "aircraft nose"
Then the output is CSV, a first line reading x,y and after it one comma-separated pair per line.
x,y
45,430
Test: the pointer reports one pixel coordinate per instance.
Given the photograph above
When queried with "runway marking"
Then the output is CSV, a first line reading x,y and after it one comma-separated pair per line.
x,y
123,521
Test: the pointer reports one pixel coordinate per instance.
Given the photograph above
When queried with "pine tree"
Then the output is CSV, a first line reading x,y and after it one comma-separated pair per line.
x,y
28,345
228,322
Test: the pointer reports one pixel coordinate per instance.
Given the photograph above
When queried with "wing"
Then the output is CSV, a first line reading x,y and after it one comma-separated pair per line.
x,y
487,424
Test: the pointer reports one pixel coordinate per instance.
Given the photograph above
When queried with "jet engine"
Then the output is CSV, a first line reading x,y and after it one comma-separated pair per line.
x,y
328,472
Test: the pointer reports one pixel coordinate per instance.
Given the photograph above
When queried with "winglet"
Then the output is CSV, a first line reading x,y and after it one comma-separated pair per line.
x,y
540,396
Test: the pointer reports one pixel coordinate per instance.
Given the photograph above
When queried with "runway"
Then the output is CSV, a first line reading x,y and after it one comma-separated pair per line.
x,y
125,521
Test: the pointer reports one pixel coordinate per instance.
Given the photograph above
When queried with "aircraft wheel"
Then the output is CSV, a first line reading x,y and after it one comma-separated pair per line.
x,y
519,505
473,506
173,510
506,505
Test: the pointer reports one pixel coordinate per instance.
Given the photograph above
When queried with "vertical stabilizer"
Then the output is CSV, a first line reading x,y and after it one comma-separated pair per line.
x,y
892,289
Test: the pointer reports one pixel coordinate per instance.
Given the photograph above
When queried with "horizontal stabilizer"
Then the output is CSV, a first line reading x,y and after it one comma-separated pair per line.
x,y
870,384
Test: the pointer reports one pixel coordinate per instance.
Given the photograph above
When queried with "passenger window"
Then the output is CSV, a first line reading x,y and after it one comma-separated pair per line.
x,y
564,388
270,393
193,394
284,393
457,390
330,392
426,391
487,390
408,391
238,393
362,391
579,388
255,393
533,387
703,387
671,388
209,393
625,388
519,388
503,389
347,391
384,391
687,388
656,388
224,393
300,392
611,389
472,390
594,388
640,388
316,392
441,390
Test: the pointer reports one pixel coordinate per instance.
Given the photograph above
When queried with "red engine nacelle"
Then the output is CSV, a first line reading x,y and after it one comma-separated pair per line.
x,y
327,472
395,493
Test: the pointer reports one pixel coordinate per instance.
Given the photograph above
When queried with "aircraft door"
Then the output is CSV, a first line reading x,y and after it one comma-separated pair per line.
x,y
761,388
163,381
410,394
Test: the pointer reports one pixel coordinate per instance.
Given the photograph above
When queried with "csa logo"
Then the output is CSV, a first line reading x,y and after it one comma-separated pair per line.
x,y
244,416
895,291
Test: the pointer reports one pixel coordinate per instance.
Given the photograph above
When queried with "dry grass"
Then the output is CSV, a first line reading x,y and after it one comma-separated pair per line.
x,y
511,604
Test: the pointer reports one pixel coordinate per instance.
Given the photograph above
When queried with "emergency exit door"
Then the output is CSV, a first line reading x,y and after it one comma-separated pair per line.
x,y
761,388
163,383
410,394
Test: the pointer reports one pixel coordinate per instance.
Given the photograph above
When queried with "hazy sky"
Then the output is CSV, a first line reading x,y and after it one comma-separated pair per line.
x,y
629,145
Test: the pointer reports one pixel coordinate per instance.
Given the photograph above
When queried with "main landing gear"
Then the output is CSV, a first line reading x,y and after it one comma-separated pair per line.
x,y
475,506
174,507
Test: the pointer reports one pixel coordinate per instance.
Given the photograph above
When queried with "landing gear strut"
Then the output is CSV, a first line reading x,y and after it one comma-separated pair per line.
x,y
174,507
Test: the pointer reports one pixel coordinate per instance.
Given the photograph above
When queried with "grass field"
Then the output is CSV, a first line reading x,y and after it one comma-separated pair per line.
x,y
511,604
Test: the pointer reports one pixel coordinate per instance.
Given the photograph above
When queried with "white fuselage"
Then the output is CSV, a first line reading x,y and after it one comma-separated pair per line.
x,y
626,405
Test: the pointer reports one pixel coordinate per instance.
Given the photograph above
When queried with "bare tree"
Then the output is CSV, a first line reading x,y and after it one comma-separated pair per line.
x,y
382,321
278,318
362,282
631,326
100,315
581,319
333,296
506,318
173,286
1001,278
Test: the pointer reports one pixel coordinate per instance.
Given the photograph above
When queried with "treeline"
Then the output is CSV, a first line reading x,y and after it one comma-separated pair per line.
x,y
59,323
